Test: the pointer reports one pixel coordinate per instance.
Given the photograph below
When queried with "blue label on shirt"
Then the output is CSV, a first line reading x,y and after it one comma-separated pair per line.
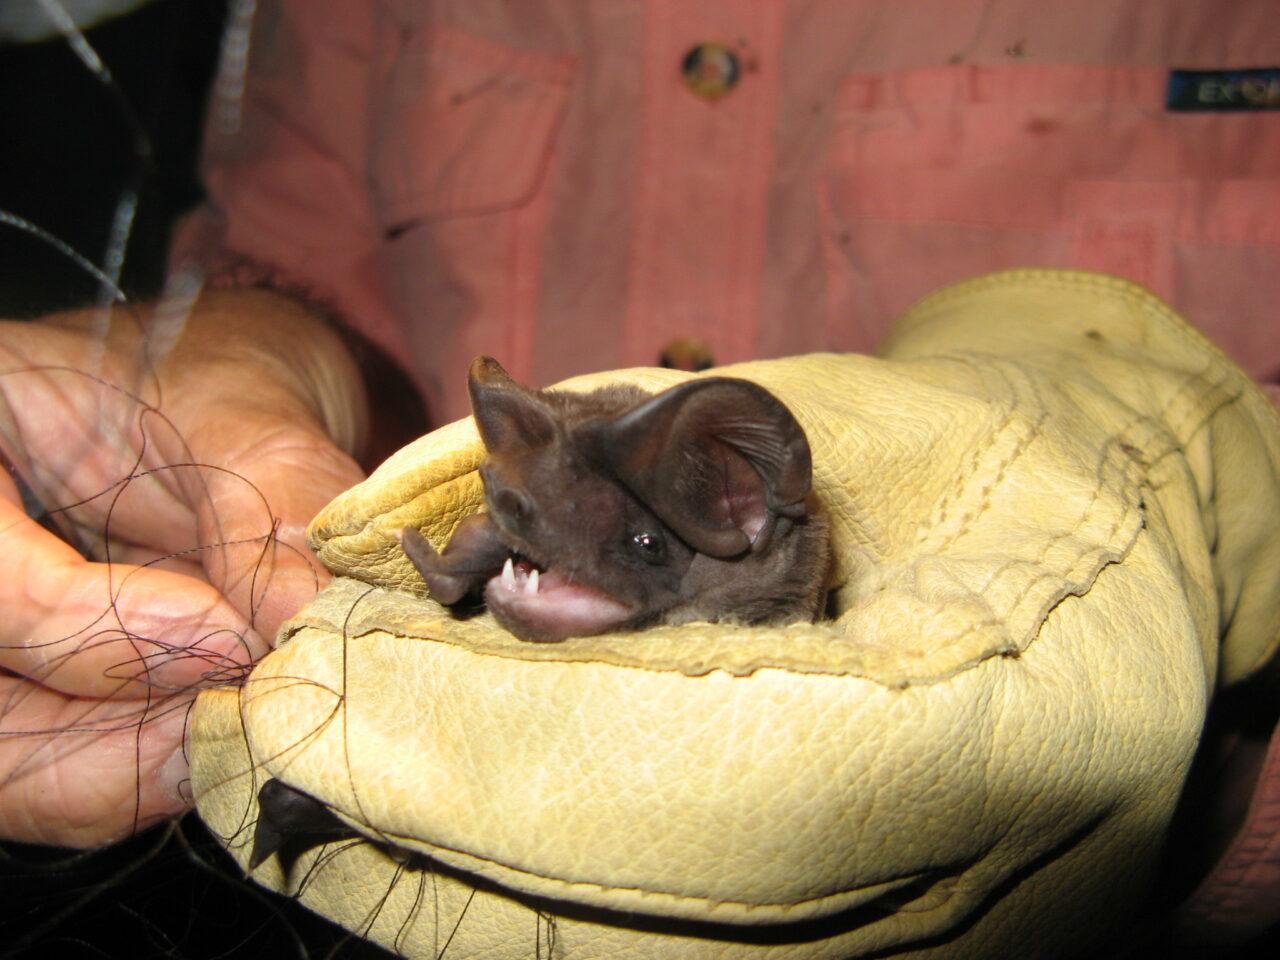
x,y
1224,90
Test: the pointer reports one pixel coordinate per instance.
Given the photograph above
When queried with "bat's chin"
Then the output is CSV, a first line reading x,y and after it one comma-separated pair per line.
x,y
544,606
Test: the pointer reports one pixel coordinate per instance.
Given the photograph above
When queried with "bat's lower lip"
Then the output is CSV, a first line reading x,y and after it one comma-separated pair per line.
x,y
544,606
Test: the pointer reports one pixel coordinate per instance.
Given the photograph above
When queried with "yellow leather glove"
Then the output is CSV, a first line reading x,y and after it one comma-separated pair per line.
x,y
1053,509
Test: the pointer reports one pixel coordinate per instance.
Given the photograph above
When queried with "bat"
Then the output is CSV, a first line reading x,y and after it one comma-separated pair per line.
x,y
619,509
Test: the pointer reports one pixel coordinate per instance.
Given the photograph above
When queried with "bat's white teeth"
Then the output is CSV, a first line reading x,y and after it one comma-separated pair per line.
x,y
521,580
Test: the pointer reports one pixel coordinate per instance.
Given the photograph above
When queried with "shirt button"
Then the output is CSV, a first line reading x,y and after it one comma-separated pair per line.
x,y
710,70
686,353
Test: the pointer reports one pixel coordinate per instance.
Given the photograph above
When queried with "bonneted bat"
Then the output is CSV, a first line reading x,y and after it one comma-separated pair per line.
x,y
618,509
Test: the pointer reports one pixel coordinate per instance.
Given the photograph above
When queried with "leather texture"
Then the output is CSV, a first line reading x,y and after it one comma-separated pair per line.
x,y
1053,510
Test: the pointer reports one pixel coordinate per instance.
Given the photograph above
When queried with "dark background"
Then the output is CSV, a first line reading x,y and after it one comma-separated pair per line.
x,y
71,152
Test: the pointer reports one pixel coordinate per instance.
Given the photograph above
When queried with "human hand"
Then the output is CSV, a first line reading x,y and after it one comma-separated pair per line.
x,y
189,488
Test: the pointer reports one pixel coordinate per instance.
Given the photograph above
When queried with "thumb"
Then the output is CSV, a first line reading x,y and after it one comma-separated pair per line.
x,y
252,513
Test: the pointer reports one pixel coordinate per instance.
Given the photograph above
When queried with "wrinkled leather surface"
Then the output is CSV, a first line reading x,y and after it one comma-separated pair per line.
x,y
1053,508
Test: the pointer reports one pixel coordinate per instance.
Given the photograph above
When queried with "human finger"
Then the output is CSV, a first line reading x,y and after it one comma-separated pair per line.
x,y
110,630
253,513
80,772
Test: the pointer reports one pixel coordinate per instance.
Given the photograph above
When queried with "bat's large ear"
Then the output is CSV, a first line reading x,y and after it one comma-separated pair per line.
x,y
511,417
717,459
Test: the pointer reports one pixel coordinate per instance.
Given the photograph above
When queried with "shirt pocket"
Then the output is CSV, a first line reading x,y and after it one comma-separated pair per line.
x,y
464,143
938,174
465,125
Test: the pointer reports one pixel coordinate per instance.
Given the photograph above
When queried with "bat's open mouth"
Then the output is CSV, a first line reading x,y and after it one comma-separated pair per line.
x,y
539,603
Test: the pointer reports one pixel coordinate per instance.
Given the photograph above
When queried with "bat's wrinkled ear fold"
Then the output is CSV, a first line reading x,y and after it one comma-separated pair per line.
x,y
717,459
511,418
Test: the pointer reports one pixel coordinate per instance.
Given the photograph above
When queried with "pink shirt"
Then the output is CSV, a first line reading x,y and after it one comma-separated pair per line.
x,y
537,180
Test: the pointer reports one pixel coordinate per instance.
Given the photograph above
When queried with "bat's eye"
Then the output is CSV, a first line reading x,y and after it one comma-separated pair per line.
x,y
650,546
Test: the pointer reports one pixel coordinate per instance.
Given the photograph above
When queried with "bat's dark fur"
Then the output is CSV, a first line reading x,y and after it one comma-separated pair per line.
x,y
634,509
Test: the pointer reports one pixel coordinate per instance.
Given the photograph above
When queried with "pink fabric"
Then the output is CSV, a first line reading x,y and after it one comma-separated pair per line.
x,y
535,181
